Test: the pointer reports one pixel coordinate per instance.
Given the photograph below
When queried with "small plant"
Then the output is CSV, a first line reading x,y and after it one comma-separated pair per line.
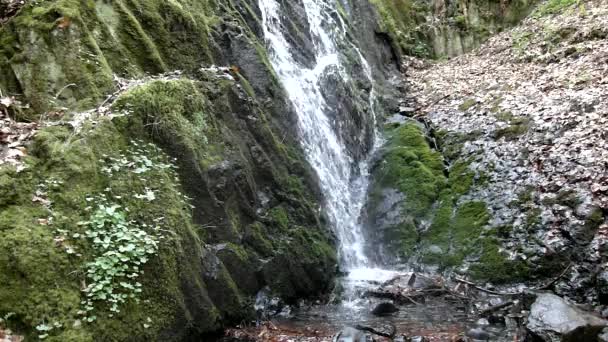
x,y
521,41
122,247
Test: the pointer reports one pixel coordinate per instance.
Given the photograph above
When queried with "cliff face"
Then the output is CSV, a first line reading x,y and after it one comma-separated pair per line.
x,y
159,193
446,28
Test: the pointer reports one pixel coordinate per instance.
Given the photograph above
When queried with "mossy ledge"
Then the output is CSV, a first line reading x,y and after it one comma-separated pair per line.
x,y
416,208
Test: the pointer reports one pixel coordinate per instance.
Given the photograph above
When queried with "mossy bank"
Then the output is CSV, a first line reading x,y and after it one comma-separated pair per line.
x,y
153,204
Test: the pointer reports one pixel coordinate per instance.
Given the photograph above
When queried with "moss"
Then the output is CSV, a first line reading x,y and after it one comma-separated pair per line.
x,y
494,266
450,143
279,218
411,166
399,18
533,218
254,237
461,22
467,104
461,179
517,127
34,249
595,220
299,264
567,198
555,7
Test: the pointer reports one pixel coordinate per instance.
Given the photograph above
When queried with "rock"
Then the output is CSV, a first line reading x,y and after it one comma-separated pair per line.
x,y
552,319
601,282
482,322
419,339
407,111
384,309
350,334
603,336
478,334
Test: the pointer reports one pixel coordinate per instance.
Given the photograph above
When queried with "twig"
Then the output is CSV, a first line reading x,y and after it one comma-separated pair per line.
x,y
419,108
64,88
376,332
486,290
496,307
549,284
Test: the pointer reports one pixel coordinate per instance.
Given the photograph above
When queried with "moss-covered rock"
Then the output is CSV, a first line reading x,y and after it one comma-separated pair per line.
x,y
416,208
445,28
226,154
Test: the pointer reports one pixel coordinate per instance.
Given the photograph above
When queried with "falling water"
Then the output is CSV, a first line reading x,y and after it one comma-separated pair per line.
x,y
344,181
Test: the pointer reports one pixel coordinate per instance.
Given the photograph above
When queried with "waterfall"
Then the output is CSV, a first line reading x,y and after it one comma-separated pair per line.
x,y
344,184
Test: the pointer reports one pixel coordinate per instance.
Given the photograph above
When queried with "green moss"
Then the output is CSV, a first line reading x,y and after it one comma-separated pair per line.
x,y
467,104
567,198
414,168
533,218
255,238
555,7
461,22
517,127
494,266
279,218
461,178
44,281
400,18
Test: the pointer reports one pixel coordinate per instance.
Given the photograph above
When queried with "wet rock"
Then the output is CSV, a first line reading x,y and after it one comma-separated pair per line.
x,y
602,286
419,339
384,309
478,334
482,322
386,330
350,334
407,111
553,319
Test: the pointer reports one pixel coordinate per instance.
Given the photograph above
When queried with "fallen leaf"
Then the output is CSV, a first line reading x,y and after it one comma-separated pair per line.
x,y
63,22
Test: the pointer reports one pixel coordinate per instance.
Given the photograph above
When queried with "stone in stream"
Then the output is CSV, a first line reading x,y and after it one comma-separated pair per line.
x,y
384,309
478,334
350,334
552,319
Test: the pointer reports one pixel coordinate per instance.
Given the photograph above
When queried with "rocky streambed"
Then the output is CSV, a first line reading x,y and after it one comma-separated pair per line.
x,y
420,307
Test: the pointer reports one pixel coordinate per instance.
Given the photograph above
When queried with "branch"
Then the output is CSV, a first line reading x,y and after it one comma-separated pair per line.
x,y
376,332
549,284
486,290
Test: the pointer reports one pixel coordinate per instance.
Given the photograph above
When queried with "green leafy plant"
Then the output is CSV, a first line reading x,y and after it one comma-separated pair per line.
x,y
122,248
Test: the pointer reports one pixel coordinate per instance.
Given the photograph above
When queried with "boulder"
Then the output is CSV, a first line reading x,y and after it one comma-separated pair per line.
x,y
552,319
384,309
